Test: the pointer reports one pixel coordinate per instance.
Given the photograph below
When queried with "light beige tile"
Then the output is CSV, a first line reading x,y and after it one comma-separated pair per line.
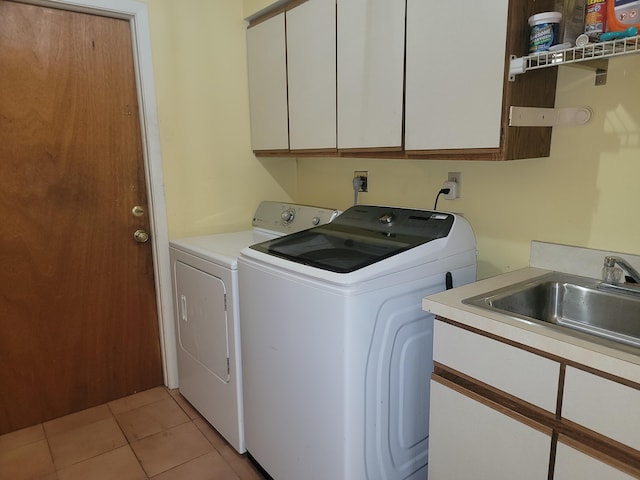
x,y
240,464
149,419
22,437
138,400
170,448
73,446
76,420
211,433
207,467
118,464
185,405
31,461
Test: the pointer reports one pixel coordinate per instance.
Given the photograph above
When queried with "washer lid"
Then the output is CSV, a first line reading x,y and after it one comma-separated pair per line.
x,y
361,236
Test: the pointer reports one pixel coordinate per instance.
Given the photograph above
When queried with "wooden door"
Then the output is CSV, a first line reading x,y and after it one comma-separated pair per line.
x,y
78,319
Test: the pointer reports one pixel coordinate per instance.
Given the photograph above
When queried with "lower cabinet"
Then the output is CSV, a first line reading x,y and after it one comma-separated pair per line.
x,y
469,439
602,405
572,464
518,412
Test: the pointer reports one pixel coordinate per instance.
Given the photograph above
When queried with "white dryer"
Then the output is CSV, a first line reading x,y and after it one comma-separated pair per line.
x,y
337,350
205,286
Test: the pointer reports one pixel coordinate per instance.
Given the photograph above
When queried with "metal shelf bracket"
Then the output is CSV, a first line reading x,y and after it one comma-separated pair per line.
x,y
549,117
601,67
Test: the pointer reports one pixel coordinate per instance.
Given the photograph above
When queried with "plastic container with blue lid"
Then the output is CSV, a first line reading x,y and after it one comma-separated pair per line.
x,y
544,31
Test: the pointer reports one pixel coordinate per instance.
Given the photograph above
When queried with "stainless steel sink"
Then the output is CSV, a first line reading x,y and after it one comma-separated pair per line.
x,y
569,301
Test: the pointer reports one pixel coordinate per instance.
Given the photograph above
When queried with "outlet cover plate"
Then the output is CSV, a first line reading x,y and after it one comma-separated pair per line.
x,y
456,177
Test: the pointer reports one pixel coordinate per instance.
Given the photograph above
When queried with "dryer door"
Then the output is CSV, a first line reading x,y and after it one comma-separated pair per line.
x,y
202,324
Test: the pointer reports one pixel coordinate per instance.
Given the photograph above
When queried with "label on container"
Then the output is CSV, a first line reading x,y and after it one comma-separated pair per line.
x,y
543,36
627,12
595,19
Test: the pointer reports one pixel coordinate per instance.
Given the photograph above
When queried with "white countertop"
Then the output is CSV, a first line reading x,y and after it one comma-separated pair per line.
x,y
563,343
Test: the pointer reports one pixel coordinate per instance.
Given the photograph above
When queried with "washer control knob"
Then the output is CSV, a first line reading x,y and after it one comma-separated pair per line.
x,y
386,219
315,220
288,216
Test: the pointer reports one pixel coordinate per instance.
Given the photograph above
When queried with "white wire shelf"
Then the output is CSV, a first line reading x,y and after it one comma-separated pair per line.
x,y
587,53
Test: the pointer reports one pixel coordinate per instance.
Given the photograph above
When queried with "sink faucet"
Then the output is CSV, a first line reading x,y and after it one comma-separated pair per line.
x,y
610,262
611,276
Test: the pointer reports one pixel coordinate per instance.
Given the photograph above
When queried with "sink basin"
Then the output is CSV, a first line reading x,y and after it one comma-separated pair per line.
x,y
569,301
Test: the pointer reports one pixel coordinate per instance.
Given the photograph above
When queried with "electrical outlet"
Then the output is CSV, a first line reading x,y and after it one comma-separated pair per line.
x,y
364,186
457,178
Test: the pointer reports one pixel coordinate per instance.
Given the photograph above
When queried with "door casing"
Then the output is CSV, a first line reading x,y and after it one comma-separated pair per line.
x,y
136,13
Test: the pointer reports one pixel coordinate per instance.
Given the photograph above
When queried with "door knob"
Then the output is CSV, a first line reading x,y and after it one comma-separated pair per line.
x,y
140,236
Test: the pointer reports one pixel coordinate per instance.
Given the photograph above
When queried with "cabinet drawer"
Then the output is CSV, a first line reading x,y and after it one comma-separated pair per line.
x,y
602,405
518,372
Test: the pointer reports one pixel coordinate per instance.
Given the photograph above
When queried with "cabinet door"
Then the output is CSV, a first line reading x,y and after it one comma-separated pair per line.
x,y
266,57
311,75
370,73
603,406
455,73
572,464
468,439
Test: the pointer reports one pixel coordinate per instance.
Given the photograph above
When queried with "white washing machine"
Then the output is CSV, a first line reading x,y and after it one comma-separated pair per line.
x,y
336,349
205,286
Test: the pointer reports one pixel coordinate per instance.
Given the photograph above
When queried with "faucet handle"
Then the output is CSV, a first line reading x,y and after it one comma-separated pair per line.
x,y
611,273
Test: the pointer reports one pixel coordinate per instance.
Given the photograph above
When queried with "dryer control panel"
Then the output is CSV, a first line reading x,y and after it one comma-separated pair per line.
x,y
285,218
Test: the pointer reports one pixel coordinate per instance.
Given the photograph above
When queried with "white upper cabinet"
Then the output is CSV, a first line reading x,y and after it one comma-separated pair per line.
x,y
370,68
346,77
454,73
267,66
311,69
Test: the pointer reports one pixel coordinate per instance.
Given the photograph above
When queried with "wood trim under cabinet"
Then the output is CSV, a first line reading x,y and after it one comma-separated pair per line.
x,y
496,399
619,458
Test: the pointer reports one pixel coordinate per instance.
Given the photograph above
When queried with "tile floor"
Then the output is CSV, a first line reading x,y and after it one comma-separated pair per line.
x,y
153,434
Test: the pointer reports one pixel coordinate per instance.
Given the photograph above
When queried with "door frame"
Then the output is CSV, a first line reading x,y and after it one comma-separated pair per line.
x,y
136,13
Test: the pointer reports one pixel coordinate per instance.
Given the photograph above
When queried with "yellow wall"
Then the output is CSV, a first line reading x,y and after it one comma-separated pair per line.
x,y
253,6
213,182
584,194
